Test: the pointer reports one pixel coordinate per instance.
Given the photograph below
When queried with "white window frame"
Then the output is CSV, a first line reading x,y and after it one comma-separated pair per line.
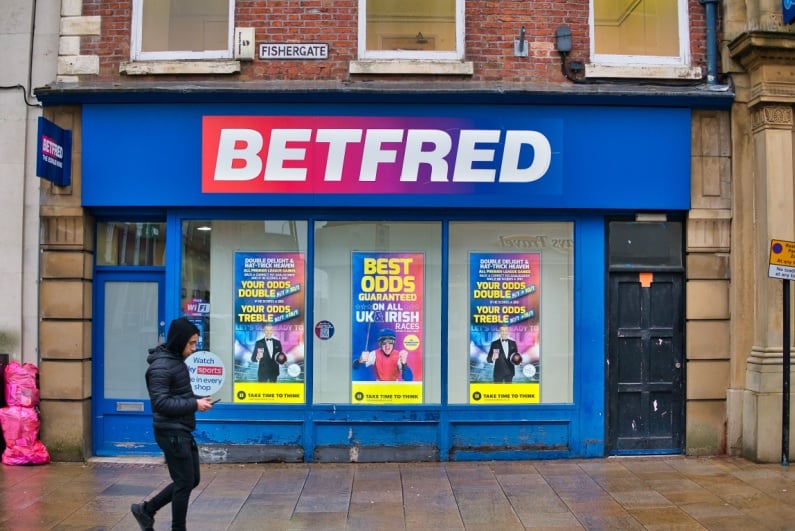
x,y
378,55
137,36
682,60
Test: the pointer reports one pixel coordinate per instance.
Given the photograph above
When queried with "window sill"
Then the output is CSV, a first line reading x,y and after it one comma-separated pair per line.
x,y
449,68
642,72
145,68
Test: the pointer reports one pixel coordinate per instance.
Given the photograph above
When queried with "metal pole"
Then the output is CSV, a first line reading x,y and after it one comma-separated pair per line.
x,y
711,7
785,381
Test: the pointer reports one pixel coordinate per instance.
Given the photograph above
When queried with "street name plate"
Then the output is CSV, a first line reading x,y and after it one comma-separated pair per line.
x,y
281,50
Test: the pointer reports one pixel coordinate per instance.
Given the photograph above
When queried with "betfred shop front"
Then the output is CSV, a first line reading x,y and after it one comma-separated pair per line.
x,y
355,267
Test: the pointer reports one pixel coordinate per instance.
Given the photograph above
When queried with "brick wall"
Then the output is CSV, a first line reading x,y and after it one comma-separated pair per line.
x,y
491,28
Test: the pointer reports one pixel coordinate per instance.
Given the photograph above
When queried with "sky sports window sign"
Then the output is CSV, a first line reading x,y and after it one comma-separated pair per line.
x,y
375,155
283,50
54,161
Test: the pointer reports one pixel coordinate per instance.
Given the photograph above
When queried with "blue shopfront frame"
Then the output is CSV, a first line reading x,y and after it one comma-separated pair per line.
x,y
146,158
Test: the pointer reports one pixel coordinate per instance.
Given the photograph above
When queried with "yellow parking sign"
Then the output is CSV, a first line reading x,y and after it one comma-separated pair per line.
x,y
782,260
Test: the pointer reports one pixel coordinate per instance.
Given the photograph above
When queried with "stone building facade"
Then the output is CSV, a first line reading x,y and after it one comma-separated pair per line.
x,y
29,35
741,177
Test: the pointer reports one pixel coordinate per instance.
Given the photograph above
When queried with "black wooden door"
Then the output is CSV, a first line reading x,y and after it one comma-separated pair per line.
x,y
645,366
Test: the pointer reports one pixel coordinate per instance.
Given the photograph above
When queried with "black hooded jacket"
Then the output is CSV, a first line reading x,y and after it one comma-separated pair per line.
x,y
168,380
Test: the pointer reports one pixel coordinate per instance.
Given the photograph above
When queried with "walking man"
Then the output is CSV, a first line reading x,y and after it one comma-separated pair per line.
x,y
173,415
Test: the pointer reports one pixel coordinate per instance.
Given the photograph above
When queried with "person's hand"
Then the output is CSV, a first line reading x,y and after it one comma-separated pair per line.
x,y
204,403
404,356
363,357
259,356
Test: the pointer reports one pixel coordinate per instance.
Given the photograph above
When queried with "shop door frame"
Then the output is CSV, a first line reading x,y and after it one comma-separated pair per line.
x,y
655,381
119,422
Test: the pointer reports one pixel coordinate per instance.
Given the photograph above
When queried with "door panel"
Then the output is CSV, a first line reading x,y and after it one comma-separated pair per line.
x,y
129,321
645,369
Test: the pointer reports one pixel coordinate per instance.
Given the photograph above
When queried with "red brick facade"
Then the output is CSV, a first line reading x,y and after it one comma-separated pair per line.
x,y
491,28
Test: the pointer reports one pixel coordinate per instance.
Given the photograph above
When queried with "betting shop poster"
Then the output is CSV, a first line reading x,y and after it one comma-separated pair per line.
x,y
504,344
269,327
387,336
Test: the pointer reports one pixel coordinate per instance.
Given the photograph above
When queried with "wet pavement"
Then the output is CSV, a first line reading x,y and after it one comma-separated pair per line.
x,y
666,492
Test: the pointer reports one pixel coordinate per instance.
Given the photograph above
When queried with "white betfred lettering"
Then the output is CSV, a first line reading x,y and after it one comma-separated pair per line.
x,y
374,153
49,147
278,153
469,154
416,140
338,140
510,172
426,153
238,144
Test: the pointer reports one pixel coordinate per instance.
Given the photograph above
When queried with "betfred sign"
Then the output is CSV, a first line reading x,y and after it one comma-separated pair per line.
x,y
351,155
54,153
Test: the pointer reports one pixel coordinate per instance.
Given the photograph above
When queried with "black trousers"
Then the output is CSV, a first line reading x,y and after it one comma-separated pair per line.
x,y
182,459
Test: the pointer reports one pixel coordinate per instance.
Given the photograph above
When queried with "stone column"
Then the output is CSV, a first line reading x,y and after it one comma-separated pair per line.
x,y
773,187
708,283
766,95
65,308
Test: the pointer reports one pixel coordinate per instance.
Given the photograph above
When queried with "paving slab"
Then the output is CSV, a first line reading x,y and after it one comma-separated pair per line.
x,y
633,493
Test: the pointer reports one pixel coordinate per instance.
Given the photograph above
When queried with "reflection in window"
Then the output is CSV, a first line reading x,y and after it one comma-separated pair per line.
x,y
340,363
182,29
519,275
411,29
131,244
209,289
645,28
131,327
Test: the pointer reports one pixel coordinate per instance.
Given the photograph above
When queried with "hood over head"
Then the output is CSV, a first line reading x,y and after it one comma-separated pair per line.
x,y
179,332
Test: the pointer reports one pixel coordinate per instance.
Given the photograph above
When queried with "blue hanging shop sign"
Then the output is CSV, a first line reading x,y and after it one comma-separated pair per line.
x,y
54,153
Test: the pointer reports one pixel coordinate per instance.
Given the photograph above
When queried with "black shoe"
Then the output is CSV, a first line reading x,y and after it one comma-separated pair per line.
x,y
144,519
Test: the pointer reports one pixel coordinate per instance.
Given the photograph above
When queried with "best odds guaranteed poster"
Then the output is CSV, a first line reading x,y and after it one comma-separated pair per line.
x,y
504,290
269,290
388,301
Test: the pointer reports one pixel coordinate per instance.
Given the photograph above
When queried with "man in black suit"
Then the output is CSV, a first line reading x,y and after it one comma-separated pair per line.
x,y
268,351
500,353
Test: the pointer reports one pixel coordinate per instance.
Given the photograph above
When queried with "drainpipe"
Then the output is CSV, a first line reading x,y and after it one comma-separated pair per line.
x,y
711,7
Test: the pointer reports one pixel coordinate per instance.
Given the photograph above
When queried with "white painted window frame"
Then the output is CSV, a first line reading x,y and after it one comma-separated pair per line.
x,y
380,55
683,60
137,35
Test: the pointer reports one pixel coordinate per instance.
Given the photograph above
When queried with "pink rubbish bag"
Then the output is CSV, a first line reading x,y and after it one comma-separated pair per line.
x,y
21,384
21,432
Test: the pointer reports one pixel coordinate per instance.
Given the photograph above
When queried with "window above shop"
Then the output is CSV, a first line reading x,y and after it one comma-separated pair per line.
x,y
411,36
640,38
182,29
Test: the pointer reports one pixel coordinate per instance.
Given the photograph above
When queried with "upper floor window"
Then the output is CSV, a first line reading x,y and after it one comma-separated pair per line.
x,y
640,32
411,29
182,29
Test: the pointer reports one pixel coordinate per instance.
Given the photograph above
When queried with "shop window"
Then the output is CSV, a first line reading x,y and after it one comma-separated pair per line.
x,y
182,29
411,29
640,33
514,280
242,281
131,244
377,309
376,327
